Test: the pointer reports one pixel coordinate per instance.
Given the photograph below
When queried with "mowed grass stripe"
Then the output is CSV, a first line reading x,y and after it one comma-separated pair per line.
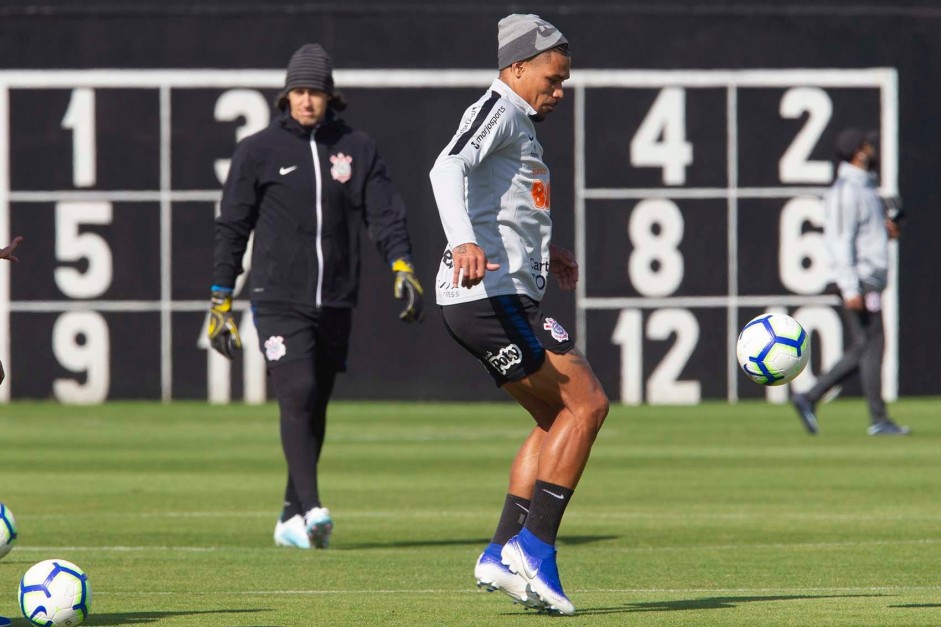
x,y
707,515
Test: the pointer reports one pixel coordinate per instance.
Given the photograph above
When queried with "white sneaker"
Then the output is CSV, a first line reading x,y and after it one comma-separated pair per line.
x,y
491,574
319,526
291,533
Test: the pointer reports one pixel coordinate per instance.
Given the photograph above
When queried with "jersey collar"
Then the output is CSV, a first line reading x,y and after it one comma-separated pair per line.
x,y
504,90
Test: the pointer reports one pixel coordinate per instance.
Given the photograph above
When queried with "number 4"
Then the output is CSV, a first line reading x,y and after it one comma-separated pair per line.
x,y
660,140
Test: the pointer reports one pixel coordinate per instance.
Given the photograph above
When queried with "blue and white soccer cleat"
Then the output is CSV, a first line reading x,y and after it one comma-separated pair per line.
x,y
292,532
319,526
534,560
491,574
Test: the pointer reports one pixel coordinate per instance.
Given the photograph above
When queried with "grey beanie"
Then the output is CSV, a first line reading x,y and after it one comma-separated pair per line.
x,y
522,37
310,67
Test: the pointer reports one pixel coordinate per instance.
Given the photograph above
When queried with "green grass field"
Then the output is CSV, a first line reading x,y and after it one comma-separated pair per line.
x,y
707,515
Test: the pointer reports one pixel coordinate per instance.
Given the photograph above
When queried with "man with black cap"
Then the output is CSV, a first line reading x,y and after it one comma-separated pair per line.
x,y
306,186
856,234
492,189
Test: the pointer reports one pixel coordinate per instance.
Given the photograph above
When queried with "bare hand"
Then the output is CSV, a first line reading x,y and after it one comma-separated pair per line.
x,y
892,228
563,266
854,303
7,253
470,265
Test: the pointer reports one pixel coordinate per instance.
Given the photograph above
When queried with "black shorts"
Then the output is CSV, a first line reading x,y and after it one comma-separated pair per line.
x,y
290,332
508,334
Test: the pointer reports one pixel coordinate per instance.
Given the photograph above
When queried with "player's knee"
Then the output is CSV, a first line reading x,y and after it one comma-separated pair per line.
x,y
595,409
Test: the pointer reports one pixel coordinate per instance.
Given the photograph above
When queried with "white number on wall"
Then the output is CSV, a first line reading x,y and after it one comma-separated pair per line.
x,y
80,119
73,245
663,386
795,165
655,265
800,254
81,344
247,104
826,324
660,140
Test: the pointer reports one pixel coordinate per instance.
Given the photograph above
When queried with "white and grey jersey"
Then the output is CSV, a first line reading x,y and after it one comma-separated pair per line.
x,y
492,189
855,236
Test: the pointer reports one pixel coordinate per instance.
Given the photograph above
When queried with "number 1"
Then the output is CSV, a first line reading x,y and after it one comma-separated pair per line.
x,y
80,119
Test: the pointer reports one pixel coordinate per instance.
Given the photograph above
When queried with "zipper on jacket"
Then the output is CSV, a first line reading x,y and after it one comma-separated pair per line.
x,y
319,207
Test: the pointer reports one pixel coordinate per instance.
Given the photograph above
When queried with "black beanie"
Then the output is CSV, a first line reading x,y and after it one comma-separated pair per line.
x,y
310,67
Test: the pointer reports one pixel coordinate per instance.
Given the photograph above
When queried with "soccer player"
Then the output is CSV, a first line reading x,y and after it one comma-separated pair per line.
x,y
856,233
492,189
306,185
7,253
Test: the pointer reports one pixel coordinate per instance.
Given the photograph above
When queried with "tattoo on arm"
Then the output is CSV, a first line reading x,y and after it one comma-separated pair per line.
x,y
461,249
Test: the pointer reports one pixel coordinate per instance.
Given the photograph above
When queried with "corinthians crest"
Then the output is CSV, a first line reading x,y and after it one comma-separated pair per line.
x,y
341,170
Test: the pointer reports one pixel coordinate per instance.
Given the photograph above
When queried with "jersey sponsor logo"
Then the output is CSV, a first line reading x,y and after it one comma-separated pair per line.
x,y
485,131
275,348
342,168
504,360
468,121
558,333
282,171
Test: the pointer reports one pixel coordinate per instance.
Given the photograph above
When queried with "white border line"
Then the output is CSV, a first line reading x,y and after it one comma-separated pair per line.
x,y
4,240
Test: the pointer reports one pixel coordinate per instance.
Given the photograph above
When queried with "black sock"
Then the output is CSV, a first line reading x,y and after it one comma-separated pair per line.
x,y
515,509
290,511
545,512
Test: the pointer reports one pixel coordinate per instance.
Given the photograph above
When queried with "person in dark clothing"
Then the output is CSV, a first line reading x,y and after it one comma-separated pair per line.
x,y
306,186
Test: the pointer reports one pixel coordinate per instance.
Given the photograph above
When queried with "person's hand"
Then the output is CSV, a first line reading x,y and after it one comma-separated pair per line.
x,y
563,266
893,229
854,303
223,332
7,253
409,289
470,265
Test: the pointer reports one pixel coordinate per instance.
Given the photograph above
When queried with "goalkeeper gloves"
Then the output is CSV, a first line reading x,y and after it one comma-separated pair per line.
x,y
223,333
407,287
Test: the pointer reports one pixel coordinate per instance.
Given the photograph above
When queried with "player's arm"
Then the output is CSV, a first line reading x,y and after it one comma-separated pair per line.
x,y
238,213
840,235
563,266
465,152
237,217
385,218
7,251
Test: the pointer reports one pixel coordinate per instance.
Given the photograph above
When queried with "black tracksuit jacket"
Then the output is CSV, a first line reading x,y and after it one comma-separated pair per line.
x,y
306,214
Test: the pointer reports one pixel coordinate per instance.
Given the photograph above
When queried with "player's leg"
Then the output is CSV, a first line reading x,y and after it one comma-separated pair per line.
x,y
564,386
490,572
870,373
854,322
331,345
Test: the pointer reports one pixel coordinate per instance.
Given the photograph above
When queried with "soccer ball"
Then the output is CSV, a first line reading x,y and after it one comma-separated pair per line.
x,y
772,349
7,530
55,592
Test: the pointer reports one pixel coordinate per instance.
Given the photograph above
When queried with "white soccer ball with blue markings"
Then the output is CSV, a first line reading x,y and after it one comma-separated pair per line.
x,y
773,349
55,592
7,530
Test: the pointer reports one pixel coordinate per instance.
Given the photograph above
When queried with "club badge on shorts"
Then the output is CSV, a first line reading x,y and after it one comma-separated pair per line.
x,y
342,168
558,333
275,348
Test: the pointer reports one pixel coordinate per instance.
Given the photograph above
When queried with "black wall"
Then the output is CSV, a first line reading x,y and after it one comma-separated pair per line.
x,y
390,359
